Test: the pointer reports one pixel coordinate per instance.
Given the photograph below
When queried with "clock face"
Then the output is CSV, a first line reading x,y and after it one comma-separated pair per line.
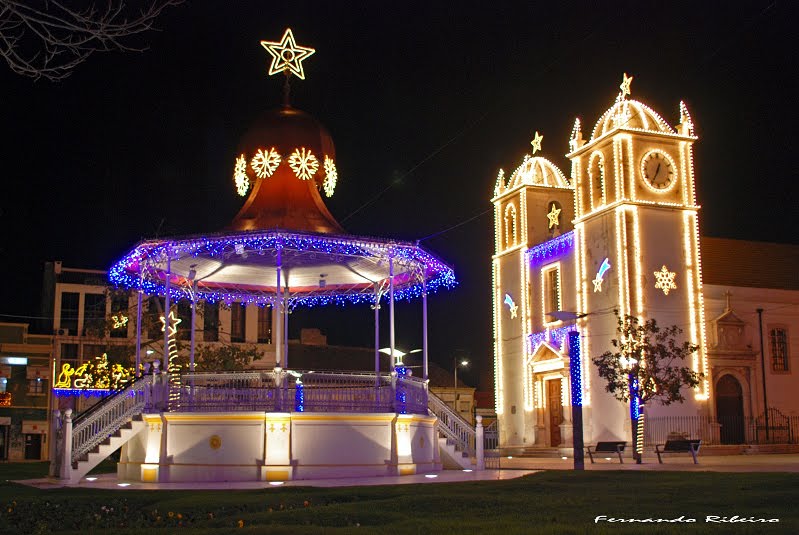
x,y
658,170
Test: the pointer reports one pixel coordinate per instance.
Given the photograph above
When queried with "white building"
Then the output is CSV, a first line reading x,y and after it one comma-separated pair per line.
x,y
622,234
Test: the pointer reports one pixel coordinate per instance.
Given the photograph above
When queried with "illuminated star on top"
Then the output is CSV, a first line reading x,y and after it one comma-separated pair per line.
x,y
665,280
625,85
536,142
173,323
287,55
554,216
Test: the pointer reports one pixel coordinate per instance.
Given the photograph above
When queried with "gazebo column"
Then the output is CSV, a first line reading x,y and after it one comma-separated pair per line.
x,y
193,324
167,304
424,327
376,307
138,332
391,308
279,313
286,325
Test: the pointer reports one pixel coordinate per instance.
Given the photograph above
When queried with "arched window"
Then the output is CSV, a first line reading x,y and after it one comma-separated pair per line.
x,y
596,174
778,344
510,225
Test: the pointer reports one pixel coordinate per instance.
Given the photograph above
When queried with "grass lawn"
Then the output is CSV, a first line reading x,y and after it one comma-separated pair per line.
x,y
557,502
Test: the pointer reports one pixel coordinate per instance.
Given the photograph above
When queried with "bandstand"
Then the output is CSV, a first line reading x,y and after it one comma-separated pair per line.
x,y
283,250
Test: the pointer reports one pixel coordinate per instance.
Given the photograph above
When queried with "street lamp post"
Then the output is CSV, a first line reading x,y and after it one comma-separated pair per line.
x,y
462,363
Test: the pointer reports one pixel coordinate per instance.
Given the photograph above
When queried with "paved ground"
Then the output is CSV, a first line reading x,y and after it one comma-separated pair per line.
x,y
509,468
682,462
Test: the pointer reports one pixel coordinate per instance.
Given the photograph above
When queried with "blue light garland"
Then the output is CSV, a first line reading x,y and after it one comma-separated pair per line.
x,y
299,397
125,273
551,248
575,369
554,336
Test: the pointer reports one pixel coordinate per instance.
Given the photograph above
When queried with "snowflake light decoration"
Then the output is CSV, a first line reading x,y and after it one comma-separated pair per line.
x,y
665,280
303,163
240,176
265,162
331,176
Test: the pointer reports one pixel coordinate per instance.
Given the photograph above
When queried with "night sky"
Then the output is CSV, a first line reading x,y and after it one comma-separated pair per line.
x,y
425,101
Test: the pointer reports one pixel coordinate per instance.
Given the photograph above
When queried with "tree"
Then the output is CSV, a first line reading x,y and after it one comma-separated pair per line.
x,y
216,358
48,39
647,366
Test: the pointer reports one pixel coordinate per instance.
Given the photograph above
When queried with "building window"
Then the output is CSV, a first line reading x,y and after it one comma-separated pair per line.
x,y
69,312
36,386
184,314
510,225
778,344
264,325
69,351
93,351
210,322
238,322
155,309
3,384
551,298
94,315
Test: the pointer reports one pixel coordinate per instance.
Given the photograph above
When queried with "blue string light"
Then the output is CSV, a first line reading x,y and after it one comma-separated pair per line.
x,y
550,249
299,397
554,336
125,273
575,370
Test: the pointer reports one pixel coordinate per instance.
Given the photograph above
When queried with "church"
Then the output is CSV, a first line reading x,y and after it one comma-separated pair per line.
x,y
621,235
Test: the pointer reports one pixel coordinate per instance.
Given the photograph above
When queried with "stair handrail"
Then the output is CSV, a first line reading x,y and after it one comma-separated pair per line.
x,y
107,417
452,425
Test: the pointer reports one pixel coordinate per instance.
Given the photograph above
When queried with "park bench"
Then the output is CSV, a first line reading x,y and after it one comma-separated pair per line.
x,y
612,446
679,446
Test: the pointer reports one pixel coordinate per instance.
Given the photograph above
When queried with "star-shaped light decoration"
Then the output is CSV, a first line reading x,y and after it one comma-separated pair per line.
x,y
597,283
513,307
600,275
265,162
287,56
625,85
536,142
665,280
173,323
554,216
331,176
240,176
303,163
120,320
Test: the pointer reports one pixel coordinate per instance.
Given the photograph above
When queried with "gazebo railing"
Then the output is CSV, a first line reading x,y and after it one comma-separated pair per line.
x,y
296,391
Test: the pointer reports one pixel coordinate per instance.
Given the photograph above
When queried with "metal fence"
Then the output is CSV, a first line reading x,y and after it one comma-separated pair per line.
x,y
771,428
300,391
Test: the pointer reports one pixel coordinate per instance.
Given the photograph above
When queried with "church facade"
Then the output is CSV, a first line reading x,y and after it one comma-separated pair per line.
x,y
621,233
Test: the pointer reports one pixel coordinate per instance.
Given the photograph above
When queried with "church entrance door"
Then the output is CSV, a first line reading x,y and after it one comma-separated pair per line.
x,y
730,410
555,407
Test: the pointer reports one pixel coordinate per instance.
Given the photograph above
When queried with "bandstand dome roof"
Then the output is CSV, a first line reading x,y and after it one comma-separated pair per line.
x,y
630,115
283,232
288,157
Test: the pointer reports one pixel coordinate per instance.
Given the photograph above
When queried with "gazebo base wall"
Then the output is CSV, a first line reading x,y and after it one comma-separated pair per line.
x,y
268,446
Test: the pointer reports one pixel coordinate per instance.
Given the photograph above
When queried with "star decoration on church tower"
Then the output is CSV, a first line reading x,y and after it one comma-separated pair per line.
x,y
173,323
536,142
513,307
287,56
597,284
665,280
625,85
554,216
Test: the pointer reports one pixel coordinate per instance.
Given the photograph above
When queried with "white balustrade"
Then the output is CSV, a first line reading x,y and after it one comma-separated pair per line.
x,y
452,425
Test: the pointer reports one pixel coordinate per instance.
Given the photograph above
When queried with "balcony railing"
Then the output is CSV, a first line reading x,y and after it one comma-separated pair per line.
x,y
298,391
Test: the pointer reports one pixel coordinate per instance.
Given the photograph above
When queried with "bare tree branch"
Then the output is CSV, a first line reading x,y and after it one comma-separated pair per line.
x,y
47,39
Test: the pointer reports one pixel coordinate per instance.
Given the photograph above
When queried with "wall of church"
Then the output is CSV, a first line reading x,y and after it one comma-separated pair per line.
x,y
780,311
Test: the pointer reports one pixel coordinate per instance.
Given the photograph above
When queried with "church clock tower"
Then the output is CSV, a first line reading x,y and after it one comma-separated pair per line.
x,y
636,239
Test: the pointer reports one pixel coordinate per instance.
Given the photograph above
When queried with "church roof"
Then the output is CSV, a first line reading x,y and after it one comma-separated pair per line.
x,y
630,115
749,264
